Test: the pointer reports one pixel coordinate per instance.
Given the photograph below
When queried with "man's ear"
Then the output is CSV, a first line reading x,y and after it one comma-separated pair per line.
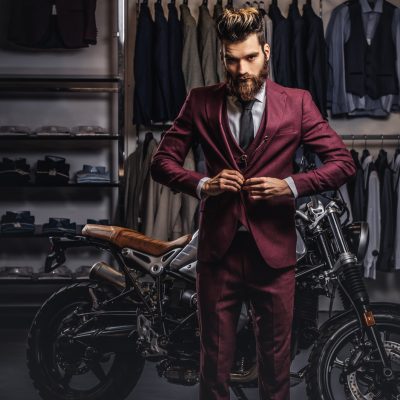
x,y
266,50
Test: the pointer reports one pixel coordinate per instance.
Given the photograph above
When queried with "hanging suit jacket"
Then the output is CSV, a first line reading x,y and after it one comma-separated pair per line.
x,y
396,169
290,118
316,58
218,9
281,55
385,260
161,86
298,51
175,43
357,190
191,66
143,68
31,20
207,36
137,167
373,216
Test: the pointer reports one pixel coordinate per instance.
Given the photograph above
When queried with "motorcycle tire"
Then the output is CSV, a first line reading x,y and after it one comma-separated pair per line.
x,y
44,365
325,356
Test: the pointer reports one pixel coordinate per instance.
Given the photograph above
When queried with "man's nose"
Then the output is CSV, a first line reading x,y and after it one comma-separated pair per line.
x,y
242,69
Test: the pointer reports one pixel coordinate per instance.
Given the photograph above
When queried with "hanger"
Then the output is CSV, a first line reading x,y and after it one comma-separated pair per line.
x,y
309,3
158,1
185,2
229,4
295,2
365,152
275,2
144,2
219,2
172,2
148,138
205,2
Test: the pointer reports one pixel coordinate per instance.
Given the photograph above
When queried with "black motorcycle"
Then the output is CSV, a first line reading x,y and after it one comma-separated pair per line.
x,y
90,340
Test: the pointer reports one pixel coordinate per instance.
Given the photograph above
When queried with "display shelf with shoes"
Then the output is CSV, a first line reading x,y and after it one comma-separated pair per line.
x,y
102,93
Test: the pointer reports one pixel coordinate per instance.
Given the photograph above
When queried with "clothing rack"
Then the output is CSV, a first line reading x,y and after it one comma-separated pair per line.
x,y
371,137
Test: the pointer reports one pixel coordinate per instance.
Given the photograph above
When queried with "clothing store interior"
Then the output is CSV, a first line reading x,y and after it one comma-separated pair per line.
x,y
87,89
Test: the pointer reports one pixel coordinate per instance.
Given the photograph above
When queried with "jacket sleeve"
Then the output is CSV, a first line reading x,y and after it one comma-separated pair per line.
x,y
167,164
323,140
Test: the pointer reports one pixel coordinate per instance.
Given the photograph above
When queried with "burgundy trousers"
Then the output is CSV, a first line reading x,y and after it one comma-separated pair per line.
x,y
222,286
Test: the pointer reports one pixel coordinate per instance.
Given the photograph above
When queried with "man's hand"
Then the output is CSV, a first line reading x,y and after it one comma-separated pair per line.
x,y
228,180
265,188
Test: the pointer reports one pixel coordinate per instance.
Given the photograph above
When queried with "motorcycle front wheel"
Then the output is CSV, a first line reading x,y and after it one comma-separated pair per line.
x,y
344,366
61,370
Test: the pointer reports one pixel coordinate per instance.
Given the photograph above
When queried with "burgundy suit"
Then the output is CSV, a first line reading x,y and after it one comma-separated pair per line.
x,y
258,265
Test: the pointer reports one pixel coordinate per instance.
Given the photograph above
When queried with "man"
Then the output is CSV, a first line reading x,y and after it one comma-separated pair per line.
x,y
249,128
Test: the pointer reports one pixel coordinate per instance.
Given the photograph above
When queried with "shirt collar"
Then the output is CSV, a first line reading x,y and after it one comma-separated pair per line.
x,y
260,95
366,8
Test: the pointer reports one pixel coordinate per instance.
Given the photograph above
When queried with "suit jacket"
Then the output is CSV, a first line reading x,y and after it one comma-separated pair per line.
x,y
175,44
292,118
31,20
207,36
161,84
191,66
143,68
281,54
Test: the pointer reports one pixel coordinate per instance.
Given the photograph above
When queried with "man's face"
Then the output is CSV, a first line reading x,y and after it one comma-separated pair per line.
x,y
246,66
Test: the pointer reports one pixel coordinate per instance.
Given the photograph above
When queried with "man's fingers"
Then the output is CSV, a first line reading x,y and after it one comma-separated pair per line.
x,y
227,183
233,174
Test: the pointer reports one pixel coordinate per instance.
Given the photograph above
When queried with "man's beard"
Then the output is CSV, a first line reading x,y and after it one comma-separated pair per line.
x,y
247,86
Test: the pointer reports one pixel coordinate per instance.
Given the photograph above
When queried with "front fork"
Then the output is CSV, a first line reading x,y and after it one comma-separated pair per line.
x,y
354,288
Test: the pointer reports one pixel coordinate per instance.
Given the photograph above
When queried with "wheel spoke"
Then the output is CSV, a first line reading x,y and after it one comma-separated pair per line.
x,y
98,370
66,379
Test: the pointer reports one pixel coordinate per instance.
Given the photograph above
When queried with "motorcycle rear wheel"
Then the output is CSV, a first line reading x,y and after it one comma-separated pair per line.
x,y
73,375
328,376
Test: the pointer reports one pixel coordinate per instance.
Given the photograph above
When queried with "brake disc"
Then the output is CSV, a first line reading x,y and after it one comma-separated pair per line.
x,y
353,389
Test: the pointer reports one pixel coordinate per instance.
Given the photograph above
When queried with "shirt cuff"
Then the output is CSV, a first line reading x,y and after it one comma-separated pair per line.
x,y
200,186
289,180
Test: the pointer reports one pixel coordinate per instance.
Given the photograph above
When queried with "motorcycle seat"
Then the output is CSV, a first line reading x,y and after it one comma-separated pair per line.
x,y
124,237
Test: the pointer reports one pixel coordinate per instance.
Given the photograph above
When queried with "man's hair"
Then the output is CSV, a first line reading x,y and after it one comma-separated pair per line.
x,y
235,25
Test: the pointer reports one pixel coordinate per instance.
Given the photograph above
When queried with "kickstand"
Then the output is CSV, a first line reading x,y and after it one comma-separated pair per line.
x,y
238,392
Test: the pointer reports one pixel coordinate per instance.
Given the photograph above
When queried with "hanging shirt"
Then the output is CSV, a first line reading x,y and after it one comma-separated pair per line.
x,y
337,34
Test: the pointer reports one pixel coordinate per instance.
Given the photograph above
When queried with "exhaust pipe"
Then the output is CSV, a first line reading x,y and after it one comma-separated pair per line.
x,y
103,272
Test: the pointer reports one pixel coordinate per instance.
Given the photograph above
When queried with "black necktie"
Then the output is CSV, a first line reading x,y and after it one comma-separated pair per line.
x,y
246,133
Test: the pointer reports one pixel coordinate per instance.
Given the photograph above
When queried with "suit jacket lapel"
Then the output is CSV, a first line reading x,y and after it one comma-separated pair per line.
x,y
275,107
215,114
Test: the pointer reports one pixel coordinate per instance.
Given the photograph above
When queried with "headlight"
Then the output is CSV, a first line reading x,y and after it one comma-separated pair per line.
x,y
357,236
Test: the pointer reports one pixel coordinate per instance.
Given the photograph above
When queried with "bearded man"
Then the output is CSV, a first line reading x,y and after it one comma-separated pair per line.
x,y
249,128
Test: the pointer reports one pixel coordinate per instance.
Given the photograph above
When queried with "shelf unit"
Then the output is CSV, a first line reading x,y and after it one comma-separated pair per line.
x,y
52,84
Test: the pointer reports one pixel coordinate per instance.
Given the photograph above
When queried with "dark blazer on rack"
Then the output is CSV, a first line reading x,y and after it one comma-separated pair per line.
x,y
281,53
31,20
161,87
291,118
143,68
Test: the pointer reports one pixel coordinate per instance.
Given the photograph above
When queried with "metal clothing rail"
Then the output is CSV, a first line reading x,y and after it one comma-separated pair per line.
x,y
371,137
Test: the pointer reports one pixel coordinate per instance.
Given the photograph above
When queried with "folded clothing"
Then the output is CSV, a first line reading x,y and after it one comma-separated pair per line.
x,y
14,172
52,130
16,272
52,170
59,225
61,272
14,130
21,222
90,174
88,130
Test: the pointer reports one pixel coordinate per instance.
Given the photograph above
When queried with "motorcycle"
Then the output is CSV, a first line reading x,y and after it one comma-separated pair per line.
x,y
90,340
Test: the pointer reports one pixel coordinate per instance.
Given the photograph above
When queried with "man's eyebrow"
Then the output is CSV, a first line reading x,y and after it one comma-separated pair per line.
x,y
254,54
